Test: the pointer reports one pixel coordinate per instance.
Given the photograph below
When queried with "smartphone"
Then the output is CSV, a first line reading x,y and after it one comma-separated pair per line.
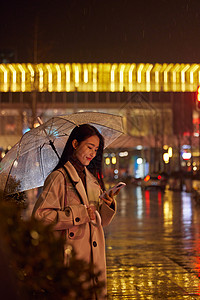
x,y
114,188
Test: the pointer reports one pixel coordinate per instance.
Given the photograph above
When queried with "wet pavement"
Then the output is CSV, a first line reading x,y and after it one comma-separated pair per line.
x,y
153,246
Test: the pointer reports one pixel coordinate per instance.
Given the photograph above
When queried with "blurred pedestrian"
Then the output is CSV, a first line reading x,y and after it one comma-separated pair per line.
x,y
70,199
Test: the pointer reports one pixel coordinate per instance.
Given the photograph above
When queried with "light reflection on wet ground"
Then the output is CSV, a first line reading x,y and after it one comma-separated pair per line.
x,y
153,246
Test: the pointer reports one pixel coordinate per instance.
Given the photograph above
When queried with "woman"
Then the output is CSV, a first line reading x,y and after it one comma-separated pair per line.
x,y
70,198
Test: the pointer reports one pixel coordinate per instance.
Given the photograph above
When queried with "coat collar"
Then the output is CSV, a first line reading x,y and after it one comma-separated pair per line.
x,y
78,182
74,175
93,190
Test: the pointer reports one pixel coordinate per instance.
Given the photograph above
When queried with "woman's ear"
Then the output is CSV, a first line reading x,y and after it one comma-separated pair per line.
x,y
74,144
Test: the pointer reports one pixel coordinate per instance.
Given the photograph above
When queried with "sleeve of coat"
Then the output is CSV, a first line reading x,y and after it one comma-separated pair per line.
x,y
50,205
107,213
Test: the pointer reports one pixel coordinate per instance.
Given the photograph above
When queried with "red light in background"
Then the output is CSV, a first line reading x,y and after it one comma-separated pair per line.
x,y
159,177
147,178
198,94
198,98
147,202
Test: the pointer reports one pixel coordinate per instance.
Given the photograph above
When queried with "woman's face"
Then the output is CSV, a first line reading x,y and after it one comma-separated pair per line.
x,y
86,150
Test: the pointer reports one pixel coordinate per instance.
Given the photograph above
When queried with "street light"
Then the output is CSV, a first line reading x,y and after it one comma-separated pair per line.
x,y
166,157
170,151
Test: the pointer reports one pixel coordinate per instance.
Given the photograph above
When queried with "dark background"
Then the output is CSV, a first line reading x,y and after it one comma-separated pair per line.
x,y
101,30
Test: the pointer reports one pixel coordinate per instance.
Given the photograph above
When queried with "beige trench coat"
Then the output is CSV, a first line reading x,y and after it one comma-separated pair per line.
x,y
82,235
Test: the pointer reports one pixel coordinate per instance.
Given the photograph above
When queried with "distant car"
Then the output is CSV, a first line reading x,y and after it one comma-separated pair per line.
x,y
154,181
136,181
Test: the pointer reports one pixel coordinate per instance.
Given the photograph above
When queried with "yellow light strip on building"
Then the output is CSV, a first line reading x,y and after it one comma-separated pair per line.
x,y
193,69
5,87
14,72
41,73
67,69
157,70
5,74
191,78
68,77
23,73
112,74
130,73
23,79
183,71
148,70
59,78
121,77
112,77
94,79
139,73
76,75
41,77
167,69
100,77
121,74
30,68
85,73
175,69
50,78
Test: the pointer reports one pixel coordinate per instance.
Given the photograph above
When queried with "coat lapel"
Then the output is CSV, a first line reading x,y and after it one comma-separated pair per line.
x,y
78,182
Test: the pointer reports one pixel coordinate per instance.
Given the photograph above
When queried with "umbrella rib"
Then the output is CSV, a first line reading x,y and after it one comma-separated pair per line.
x,y
41,163
9,175
60,125
51,126
67,120
106,127
92,122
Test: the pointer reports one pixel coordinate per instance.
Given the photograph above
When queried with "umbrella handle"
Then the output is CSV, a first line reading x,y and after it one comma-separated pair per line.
x,y
98,219
54,148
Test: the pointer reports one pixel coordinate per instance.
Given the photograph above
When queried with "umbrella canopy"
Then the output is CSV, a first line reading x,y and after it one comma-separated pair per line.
x,y
31,160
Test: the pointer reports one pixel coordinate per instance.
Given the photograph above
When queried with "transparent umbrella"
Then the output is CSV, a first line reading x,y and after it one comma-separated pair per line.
x,y
29,162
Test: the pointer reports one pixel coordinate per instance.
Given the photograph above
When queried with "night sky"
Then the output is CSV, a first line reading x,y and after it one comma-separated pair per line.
x,y
102,30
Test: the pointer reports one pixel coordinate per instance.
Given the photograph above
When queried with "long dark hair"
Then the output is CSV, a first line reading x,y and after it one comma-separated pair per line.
x,y
81,133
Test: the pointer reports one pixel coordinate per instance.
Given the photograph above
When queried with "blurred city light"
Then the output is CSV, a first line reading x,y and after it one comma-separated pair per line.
x,y
166,158
170,151
114,160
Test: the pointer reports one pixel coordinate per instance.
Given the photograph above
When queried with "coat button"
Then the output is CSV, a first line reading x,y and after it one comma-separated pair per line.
x,y
71,234
94,244
67,212
77,219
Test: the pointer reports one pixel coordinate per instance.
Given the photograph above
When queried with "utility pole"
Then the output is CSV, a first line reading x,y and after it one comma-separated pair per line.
x,y
35,60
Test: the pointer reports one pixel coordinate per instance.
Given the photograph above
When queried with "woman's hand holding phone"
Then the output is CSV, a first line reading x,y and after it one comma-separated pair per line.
x,y
108,196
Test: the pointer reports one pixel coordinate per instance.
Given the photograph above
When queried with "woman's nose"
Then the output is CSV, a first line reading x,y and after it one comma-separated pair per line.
x,y
93,153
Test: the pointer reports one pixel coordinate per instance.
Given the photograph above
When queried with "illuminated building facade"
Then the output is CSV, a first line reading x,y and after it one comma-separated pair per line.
x,y
101,77
156,100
